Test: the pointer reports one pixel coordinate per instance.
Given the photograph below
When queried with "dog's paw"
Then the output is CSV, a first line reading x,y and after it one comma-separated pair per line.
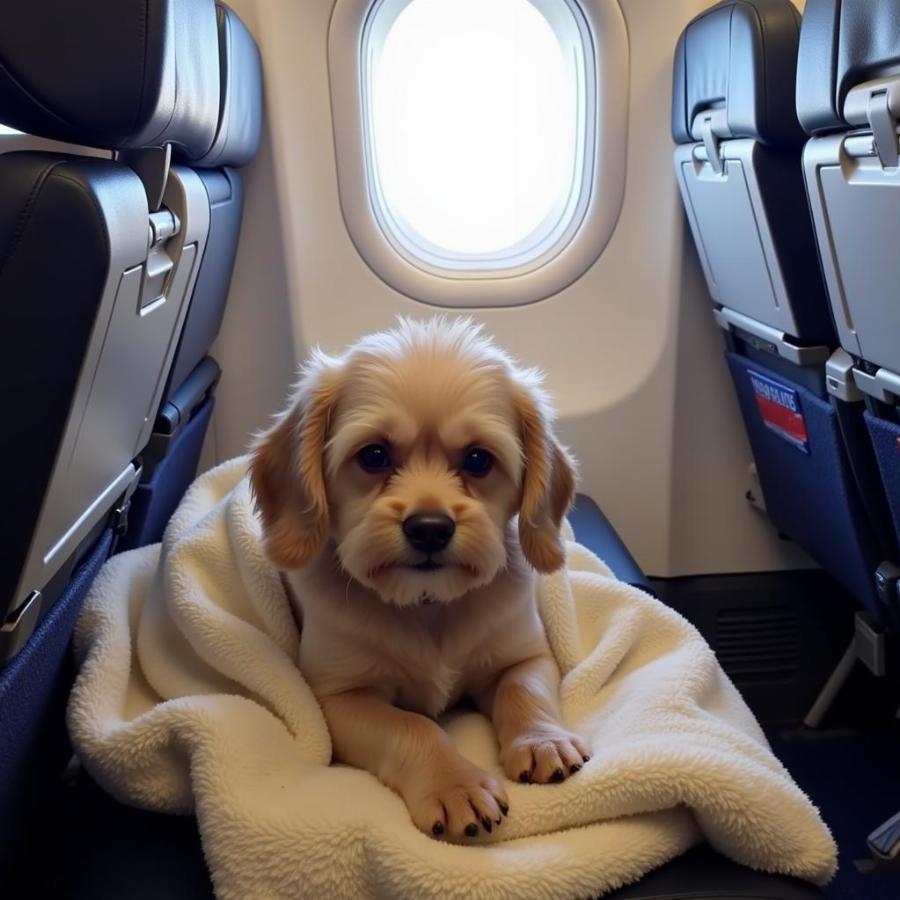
x,y
458,802
547,756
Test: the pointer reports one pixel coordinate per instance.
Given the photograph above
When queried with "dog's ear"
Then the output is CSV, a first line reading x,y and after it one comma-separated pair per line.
x,y
548,484
287,469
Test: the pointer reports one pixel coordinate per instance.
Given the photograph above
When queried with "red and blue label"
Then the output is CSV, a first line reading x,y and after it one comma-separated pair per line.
x,y
779,407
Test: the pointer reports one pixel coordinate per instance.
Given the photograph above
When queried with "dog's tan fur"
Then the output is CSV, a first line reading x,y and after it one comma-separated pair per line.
x,y
386,647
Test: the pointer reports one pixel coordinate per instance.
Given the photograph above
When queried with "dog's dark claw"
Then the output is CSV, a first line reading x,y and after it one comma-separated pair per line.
x,y
557,776
499,821
503,808
575,768
525,777
471,830
587,759
486,822
437,829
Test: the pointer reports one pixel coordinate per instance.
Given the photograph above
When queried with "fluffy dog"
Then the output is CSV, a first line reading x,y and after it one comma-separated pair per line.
x,y
409,493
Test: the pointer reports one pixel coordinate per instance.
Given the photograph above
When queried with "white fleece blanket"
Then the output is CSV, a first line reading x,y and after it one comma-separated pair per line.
x,y
189,699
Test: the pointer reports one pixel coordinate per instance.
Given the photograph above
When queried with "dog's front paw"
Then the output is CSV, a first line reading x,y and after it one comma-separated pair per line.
x,y
544,756
456,802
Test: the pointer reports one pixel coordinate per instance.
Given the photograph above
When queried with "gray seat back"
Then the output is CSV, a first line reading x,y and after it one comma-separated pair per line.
x,y
738,168
848,99
97,258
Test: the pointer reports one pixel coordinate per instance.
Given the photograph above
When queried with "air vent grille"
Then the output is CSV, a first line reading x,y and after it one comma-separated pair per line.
x,y
758,645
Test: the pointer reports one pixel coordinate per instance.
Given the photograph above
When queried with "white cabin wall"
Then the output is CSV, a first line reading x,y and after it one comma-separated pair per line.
x,y
631,351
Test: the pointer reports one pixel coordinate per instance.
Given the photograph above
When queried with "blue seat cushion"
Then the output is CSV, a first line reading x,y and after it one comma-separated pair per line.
x,y
106,851
103,850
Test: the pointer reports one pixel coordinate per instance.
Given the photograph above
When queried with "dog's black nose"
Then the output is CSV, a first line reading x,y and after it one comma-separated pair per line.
x,y
429,532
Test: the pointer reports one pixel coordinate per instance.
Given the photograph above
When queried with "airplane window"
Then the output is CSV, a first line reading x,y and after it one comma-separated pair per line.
x,y
476,113
480,144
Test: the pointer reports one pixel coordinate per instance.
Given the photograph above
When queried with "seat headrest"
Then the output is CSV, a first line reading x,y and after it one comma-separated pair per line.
x,y
843,43
116,74
739,56
240,100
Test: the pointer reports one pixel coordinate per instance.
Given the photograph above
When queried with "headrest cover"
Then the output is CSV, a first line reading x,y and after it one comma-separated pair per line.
x,y
240,101
740,55
118,74
843,44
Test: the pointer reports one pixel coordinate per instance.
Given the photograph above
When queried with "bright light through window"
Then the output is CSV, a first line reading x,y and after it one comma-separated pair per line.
x,y
477,116
5,129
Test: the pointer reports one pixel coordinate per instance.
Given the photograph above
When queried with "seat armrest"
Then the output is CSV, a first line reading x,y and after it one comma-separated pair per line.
x,y
595,531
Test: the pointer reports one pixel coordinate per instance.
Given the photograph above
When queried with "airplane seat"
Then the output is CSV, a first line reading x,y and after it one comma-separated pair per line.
x,y
171,458
97,258
104,849
738,166
848,101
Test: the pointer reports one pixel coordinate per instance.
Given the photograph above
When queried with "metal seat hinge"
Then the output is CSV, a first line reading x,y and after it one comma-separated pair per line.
x,y
711,142
884,129
118,519
19,626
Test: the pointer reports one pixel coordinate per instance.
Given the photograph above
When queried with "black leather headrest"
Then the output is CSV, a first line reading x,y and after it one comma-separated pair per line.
x,y
240,101
740,55
842,44
117,74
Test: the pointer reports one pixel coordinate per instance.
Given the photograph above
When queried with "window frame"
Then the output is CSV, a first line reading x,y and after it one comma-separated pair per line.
x,y
597,206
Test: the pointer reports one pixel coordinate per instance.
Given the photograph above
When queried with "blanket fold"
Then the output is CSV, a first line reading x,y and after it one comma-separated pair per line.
x,y
189,699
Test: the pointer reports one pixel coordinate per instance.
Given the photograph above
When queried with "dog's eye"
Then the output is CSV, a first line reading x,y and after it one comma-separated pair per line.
x,y
478,462
374,457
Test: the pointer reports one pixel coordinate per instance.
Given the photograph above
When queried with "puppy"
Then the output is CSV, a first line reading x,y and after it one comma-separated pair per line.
x,y
388,494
